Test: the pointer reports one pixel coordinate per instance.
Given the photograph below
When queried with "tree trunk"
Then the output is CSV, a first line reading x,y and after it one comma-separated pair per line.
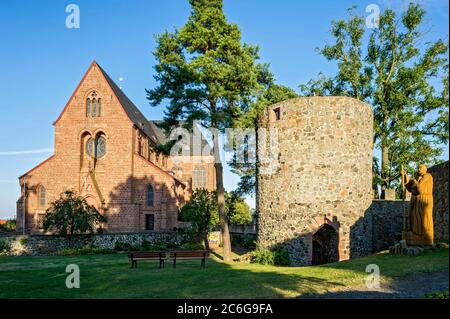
x,y
205,238
385,164
221,201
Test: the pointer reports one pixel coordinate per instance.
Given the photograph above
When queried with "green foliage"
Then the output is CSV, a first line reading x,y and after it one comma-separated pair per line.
x,y
9,226
281,257
85,251
269,94
71,214
23,241
119,246
237,209
243,241
278,256
437,295
398,79
193,246
263,256
154,247
206,74
4,247
204,70
202,211
146,246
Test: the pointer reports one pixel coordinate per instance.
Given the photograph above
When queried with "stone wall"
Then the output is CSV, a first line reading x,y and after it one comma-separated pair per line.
x,y
440,197
386,223
50,245
315,171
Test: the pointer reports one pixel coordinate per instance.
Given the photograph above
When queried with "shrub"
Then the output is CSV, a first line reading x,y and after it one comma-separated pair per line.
x,y
154,247
263,256
437,295
71,214
119,246
4,246
85,251
244,241
146,246
281,257
193,246
278,256
23,241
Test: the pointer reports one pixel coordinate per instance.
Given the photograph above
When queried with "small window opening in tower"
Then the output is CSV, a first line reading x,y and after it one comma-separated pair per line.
x,y
277,113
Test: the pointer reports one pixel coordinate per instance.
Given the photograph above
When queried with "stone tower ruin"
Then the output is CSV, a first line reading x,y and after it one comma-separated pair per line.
x,y
315,177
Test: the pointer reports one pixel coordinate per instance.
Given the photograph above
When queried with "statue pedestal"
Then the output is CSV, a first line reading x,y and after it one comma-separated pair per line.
x,y
413,239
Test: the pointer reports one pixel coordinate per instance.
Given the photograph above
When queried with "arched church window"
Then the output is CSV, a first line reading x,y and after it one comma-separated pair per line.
x,y
93,105
150,196
42,196
199,177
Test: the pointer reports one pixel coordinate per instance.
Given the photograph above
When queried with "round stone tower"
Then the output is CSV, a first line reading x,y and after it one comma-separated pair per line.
x,y
315,177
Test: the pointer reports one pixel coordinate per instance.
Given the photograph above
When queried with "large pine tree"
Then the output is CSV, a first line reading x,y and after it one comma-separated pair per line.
x,y
206,74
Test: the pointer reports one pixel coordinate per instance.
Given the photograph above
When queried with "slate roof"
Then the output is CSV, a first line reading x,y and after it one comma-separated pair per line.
x,y
149,127
132,111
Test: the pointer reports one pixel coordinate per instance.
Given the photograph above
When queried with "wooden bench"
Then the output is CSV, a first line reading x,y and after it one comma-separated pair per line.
x,y
189,254
147,255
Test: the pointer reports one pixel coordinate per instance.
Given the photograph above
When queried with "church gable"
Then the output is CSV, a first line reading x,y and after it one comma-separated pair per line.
x,y
93,100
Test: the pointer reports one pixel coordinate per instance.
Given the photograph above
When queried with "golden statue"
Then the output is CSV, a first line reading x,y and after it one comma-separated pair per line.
x,y
419,225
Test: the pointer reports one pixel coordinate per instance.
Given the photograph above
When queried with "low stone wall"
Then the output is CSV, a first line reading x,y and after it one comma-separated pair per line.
x,y
440,198
387,222
243,229
379,228
50,245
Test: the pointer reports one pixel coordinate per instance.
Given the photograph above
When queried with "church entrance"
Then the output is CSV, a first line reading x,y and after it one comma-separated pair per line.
x,y
325,244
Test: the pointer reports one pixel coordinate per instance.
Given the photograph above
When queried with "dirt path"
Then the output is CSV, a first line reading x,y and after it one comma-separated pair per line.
x,y
411,287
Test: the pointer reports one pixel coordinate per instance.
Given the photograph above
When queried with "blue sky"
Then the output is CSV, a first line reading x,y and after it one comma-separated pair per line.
x,y
41,61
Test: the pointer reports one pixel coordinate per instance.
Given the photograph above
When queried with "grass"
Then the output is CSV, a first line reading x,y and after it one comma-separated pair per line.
x,y
109,276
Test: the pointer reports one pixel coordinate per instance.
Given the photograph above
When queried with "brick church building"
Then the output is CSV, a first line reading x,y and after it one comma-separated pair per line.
x,y
104,150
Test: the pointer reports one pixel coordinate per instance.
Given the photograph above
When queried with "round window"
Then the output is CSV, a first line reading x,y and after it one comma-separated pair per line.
x,y
96,148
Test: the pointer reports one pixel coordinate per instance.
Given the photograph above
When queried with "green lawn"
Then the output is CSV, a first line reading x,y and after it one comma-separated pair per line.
x,y
109,276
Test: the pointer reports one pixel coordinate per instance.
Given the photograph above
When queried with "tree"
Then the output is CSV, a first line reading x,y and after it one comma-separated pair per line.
x,y
71,214
206,74
269,94
237,209
202,211
398,79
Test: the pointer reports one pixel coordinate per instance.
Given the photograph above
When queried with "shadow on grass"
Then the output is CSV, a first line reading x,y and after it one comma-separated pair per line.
x,y
412,287
405,277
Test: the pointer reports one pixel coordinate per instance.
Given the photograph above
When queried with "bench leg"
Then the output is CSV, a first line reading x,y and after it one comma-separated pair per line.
x,y
203,262
135,264
174,263
161,263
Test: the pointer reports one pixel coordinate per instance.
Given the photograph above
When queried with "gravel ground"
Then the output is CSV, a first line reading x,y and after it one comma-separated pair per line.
x,y
411,287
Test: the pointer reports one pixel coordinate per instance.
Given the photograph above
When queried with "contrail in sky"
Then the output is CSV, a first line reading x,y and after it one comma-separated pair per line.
x,y
38,151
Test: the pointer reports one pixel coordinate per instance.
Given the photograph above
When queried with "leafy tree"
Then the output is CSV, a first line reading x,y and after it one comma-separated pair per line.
x,y
238,211
202,211
71,214
398,79
270,94
206,74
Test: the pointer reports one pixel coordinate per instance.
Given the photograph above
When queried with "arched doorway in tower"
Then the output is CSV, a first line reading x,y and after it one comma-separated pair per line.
x,y
325,245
